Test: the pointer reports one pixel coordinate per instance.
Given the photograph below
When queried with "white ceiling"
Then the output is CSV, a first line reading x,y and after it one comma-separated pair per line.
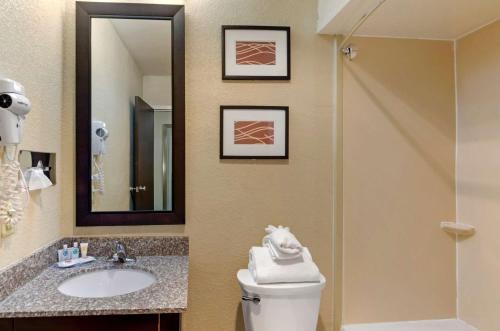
x,y
149,43
430,19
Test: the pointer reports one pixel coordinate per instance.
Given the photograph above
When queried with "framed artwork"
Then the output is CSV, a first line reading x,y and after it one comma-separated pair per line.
x,y
253,132
255,52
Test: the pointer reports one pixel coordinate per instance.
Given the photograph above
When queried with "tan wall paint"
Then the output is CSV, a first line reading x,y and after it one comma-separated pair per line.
x,y
230,202
399,148
31,53
478,175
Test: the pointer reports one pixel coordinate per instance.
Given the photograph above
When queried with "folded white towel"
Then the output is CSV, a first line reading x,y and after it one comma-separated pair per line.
x,y
265,270
283,240
278,254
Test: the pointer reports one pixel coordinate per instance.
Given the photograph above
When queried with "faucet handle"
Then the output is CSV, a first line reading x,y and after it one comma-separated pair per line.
x,y
120,254
120,247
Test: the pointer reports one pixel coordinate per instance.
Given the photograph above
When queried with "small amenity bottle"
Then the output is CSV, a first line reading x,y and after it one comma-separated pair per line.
x,y
84,247
66,253
75,251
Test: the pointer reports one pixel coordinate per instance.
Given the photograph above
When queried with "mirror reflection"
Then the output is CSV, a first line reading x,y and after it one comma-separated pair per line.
x,y
131,114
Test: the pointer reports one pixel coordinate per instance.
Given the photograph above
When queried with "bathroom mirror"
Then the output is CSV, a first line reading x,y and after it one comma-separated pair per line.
x,y
130,114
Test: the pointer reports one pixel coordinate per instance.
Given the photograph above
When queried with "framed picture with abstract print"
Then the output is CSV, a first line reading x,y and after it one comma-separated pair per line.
x,y
253,132
255,52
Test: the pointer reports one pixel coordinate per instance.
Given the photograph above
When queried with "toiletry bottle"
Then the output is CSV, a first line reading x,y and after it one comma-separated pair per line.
x,y
84,247
60,256
66,253
75,251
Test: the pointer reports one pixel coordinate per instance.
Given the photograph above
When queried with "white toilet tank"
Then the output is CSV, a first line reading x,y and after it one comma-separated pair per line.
x,y
274,307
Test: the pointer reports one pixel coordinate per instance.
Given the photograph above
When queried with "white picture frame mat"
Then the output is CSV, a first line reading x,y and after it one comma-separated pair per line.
x,y
233,115
278,36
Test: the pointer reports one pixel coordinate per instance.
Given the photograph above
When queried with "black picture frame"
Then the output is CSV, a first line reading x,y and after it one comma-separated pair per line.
x,y
253,157
225,28
84,12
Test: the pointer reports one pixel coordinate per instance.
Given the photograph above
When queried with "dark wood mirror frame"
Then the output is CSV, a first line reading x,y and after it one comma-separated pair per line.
x,y
84,12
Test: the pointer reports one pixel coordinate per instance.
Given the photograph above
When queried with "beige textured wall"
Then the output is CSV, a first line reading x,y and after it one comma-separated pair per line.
x,y
230,202
116,81
31,53
478,176
399,148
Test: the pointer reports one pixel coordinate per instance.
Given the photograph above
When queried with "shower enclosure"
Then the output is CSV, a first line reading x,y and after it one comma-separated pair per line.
x,y
418,186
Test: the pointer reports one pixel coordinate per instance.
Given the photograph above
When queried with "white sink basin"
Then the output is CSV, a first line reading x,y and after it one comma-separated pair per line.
x,y
106,283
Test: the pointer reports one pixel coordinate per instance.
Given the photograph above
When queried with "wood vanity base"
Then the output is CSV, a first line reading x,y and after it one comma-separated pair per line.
x,y
163,322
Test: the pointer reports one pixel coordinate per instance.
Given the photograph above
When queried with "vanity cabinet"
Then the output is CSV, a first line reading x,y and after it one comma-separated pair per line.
x,y
150,322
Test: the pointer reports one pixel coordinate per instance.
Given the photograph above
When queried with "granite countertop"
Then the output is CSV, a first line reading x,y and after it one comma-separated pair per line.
x,y
40,298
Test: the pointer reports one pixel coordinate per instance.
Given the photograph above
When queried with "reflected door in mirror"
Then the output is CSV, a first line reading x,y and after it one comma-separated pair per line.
x,y
142,192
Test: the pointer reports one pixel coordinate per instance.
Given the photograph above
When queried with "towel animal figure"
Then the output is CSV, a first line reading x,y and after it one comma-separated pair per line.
x,y
281,259
282,244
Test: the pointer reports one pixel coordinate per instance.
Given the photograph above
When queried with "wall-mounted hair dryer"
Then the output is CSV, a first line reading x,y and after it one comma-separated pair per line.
x,y
99,135
13,109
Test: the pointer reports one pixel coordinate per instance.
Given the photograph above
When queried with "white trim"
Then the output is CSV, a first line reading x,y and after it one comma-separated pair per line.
x,y
423,325
337,210
476,29
334,178
161,108
457,256
399,37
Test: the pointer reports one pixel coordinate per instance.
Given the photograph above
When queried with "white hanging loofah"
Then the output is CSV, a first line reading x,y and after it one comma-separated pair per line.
x,y
8,213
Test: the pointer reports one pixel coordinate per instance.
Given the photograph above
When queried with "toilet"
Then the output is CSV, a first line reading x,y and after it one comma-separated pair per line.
x,y
273,307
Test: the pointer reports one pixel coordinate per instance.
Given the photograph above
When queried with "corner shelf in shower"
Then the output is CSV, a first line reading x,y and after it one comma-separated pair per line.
x,y
460,229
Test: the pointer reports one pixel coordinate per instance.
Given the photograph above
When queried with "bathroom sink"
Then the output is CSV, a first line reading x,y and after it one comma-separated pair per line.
x,y
106,283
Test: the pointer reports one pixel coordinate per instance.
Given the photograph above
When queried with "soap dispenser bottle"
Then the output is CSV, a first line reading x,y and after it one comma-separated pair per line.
x,y
75,251
66,253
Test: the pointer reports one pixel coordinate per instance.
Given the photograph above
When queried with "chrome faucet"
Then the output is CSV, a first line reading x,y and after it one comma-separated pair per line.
x,y
120,254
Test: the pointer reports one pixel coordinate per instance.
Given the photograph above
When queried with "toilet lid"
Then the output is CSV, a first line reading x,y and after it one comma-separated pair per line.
x,y
248,284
